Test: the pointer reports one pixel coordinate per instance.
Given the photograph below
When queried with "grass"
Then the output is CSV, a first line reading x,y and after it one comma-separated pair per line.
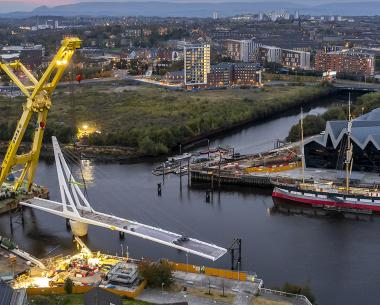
x,y
215,295
135,302
263,301
154,120
290,78
72,299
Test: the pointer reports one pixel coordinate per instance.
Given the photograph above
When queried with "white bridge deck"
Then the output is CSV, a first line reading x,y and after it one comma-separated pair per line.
x,y
190,245
75,206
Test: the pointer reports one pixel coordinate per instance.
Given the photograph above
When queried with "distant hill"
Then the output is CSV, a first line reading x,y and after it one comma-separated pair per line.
x,y
203,9
9,6
347,9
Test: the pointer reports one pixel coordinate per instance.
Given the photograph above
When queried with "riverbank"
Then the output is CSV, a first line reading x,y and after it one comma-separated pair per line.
x,y
150,121
314,124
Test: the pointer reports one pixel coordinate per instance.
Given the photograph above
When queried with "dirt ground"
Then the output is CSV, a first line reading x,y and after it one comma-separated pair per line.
x,y
262,301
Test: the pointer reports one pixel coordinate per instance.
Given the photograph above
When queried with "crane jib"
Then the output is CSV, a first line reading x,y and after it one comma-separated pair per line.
x,y
38,101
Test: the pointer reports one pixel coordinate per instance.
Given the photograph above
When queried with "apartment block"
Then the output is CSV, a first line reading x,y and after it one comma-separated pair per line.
x,y
295,59
227,74
241,50
269,54
348,62
196,64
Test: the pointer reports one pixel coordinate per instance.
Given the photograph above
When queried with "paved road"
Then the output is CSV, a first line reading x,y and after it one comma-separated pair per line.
x,y
243,291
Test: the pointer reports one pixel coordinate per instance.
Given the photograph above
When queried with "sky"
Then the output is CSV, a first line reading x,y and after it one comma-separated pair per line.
x,y
27,5
59,2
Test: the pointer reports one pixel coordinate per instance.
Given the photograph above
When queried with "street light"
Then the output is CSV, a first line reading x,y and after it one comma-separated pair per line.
x,y
187,262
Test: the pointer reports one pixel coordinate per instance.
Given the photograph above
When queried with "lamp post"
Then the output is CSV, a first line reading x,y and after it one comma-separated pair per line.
x,y
187,262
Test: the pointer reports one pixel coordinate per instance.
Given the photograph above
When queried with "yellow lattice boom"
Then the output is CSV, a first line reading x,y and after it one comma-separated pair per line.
x,y
38,100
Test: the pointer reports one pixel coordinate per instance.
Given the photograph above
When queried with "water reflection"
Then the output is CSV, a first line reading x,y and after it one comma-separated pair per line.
x,y
87,171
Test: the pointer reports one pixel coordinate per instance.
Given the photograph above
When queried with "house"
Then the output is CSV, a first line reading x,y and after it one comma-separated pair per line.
x,y
100,296
10,296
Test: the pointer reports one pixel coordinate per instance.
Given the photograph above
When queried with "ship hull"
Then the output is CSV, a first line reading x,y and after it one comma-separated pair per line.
x,y
333,201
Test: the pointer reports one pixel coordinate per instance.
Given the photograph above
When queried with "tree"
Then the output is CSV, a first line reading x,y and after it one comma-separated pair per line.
x,y
303,290
156,273
69,285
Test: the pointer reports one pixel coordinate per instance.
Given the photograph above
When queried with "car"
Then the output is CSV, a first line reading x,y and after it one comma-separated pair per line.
x,y
180,240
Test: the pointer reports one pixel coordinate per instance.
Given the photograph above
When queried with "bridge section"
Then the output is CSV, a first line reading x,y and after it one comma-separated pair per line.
x,y
74,206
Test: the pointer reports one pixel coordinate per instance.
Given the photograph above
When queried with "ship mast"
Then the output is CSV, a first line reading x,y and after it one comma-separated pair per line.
x,y
349,146
302,150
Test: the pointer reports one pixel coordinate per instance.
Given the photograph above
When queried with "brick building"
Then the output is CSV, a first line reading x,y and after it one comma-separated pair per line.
x,y
347,62
227,74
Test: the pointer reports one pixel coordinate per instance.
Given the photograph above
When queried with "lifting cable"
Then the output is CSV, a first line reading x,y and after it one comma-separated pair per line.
x,y
136,209
74,128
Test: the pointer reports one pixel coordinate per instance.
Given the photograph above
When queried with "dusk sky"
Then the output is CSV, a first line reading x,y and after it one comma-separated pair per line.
x,y
58,2
28,5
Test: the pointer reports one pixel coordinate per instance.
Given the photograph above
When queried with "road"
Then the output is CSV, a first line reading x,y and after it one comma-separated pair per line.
x,y
119,75
243,291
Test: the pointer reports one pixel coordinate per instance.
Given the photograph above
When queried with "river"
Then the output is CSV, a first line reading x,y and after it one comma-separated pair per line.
x,y
336,257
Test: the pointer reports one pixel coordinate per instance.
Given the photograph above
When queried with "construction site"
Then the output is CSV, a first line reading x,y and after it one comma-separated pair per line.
x,y
87,269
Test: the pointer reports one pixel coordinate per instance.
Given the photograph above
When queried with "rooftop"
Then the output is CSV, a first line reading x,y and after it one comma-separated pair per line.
x,y
365,129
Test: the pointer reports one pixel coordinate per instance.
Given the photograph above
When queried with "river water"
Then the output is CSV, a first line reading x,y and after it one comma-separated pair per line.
x,y
336,257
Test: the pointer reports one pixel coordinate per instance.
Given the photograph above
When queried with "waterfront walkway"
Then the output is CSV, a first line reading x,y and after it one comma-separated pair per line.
x,y
197,285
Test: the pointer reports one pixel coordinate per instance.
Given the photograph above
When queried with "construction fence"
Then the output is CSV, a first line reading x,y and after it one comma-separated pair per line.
x,y
83,289
227,274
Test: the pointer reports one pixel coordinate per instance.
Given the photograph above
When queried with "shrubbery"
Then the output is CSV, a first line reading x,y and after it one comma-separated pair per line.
x,y
156,273
314,124
303,290
155,120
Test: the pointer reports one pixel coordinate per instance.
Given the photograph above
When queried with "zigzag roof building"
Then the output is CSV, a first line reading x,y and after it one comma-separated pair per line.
x,y
328,149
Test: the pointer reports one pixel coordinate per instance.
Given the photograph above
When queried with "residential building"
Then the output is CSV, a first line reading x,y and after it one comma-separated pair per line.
x,y
269,54
132,33
346,62
9,296
296,59
196,64
221,75
241,50
227,74
174,76
246,74
30,55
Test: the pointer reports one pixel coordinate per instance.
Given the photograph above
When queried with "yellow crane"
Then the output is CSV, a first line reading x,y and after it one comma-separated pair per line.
x,y
38,101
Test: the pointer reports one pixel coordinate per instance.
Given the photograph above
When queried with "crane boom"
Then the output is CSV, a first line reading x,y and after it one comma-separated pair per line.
x,y
38,100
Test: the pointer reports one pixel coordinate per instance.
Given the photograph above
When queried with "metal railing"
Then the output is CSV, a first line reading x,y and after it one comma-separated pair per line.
x,y
286,294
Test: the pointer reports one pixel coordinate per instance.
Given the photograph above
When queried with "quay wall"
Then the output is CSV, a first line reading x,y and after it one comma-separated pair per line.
x,y
233,179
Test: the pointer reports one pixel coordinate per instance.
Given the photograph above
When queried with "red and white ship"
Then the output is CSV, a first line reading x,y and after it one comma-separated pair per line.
x,y
328,194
